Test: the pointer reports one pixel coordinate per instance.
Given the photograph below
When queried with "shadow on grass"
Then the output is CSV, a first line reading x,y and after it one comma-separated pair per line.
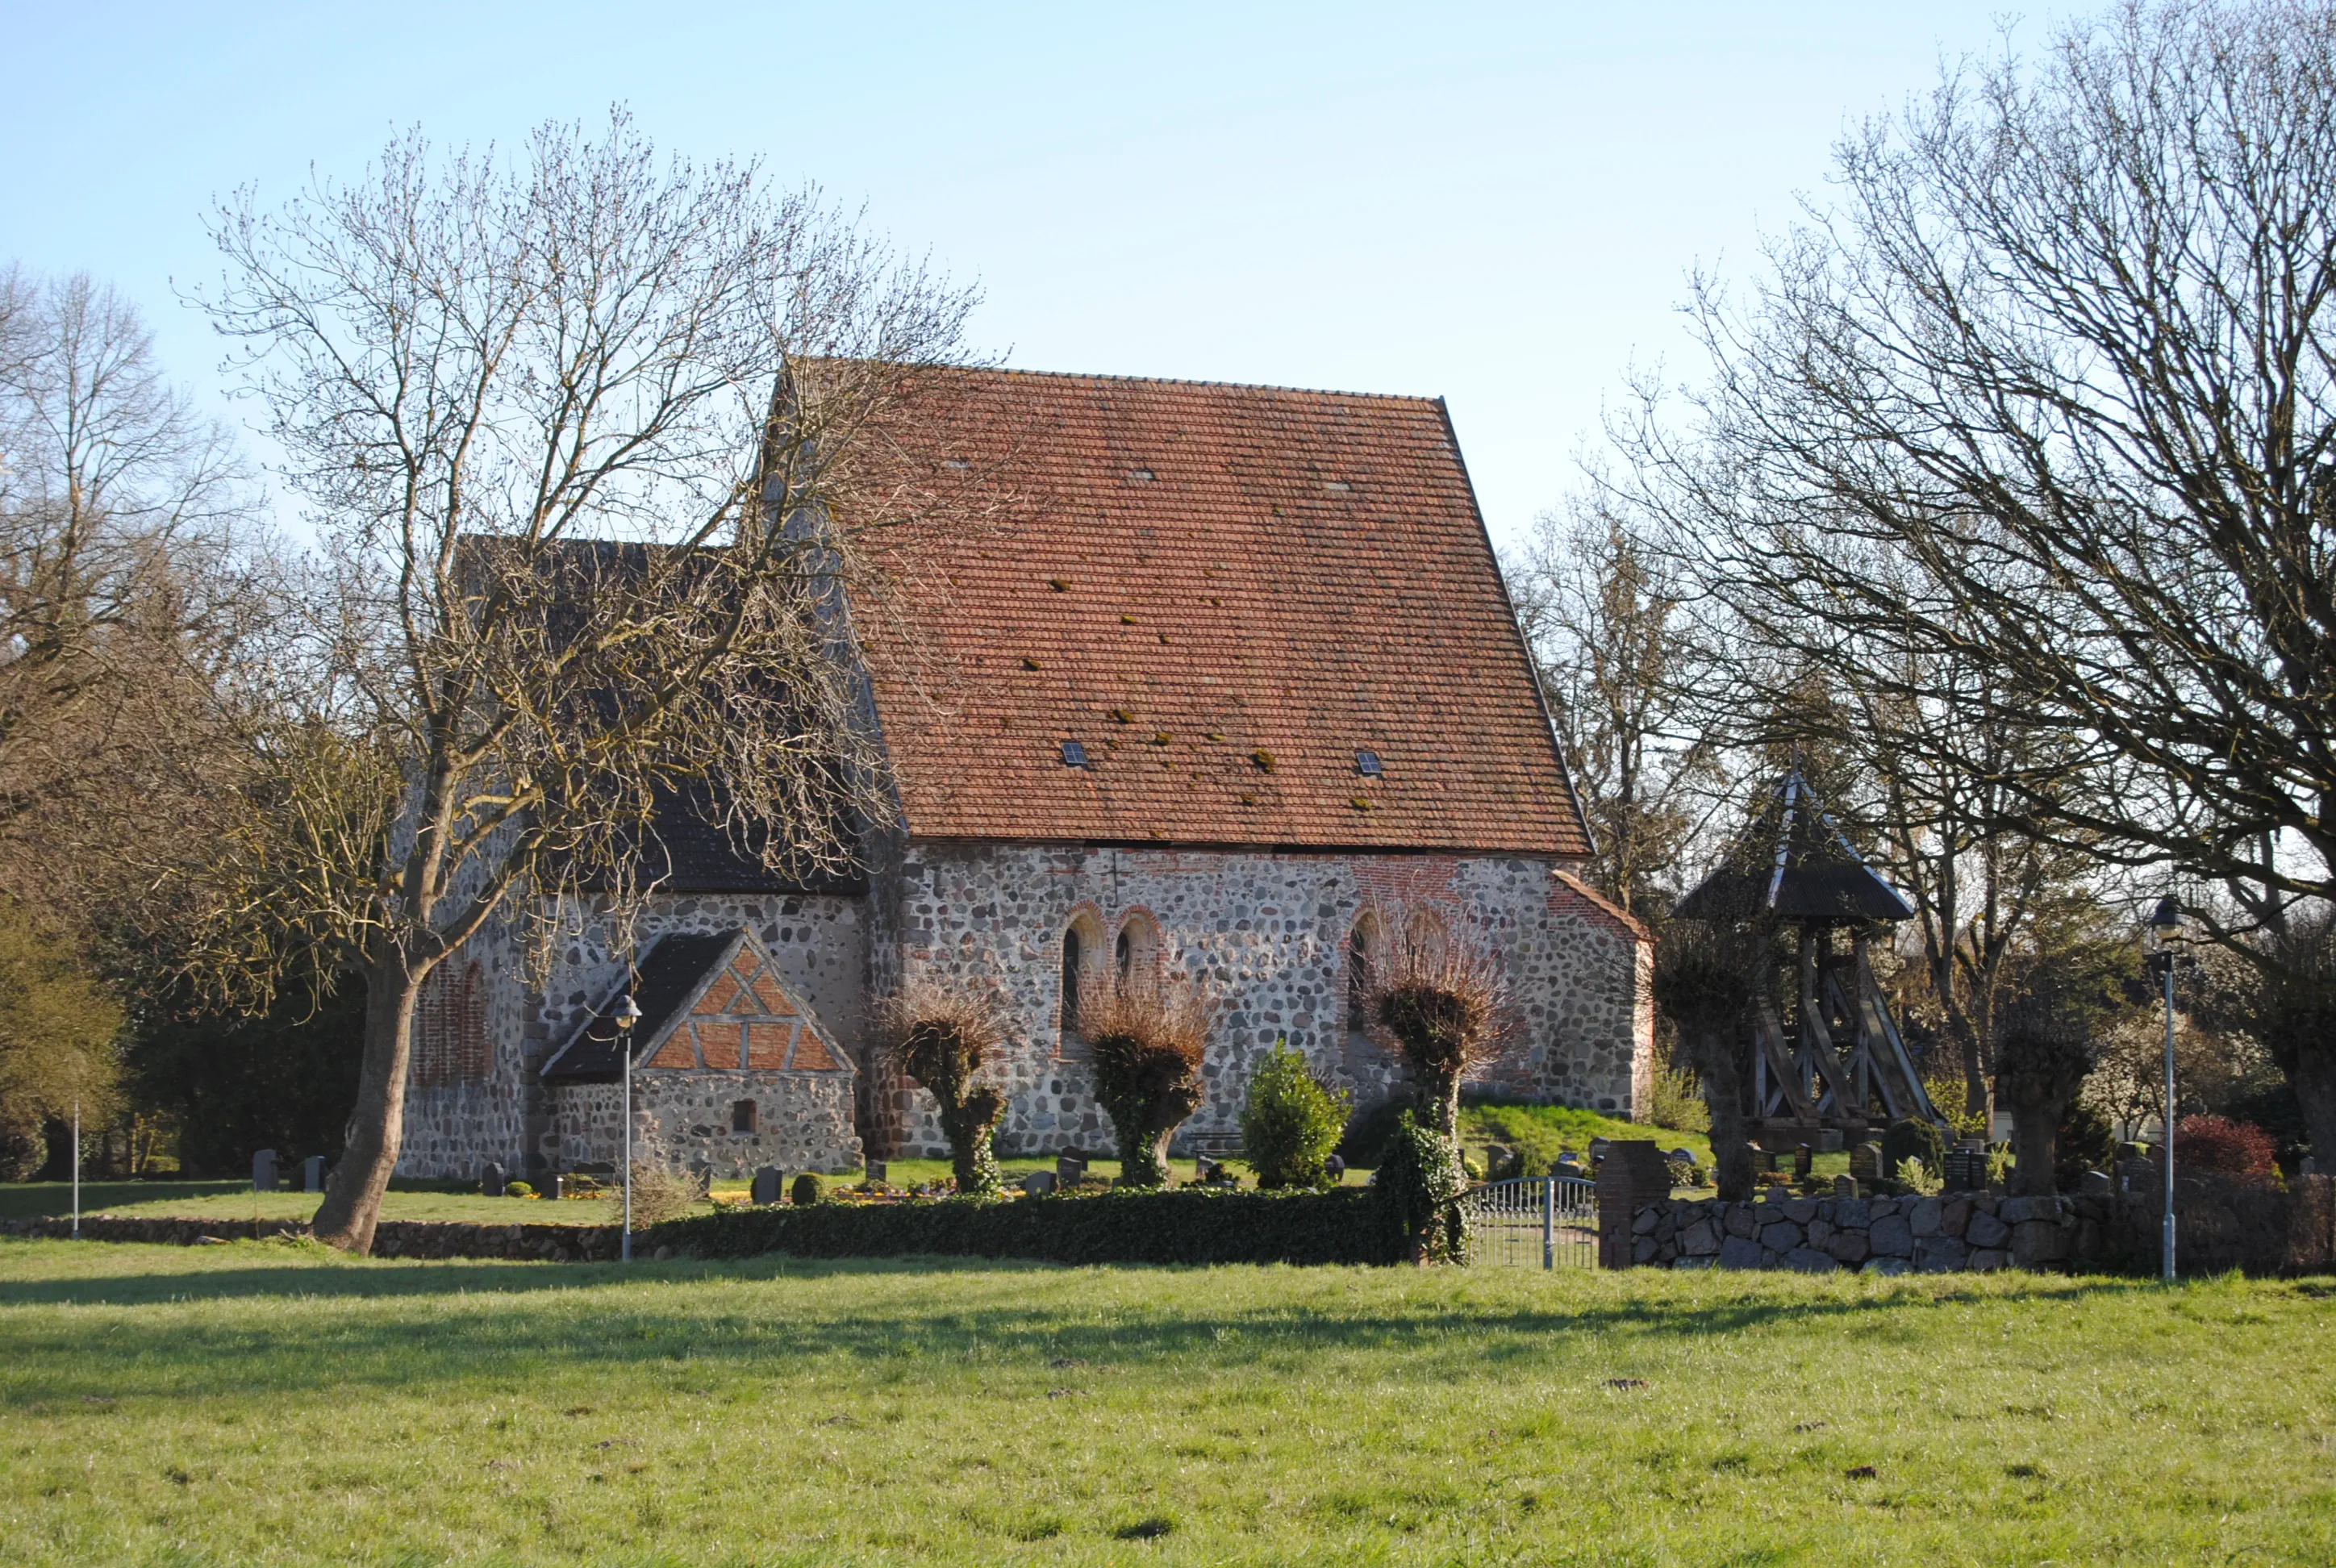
x,y
460,1332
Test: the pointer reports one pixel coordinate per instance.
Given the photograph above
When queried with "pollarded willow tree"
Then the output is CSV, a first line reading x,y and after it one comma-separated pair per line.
x,y
942,1038
2050,396
586,432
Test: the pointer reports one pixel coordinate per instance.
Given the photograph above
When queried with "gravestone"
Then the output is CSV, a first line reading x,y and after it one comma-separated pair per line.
x,y
1335,1168
875,1176
1865,1162
555,1187
2095,1185
263,1171
1844,1186
312,1173
1037,1183
769,1186
1070,1170
1762,1160
493,1178
1966,1170
1683,1154
1803,1162
1829,1141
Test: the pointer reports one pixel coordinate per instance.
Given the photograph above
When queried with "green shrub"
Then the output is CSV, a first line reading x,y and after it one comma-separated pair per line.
x,y
1118,1225
518,1190
1910,1139
1919,1178
1675,1101
1419,1181
1290,1123
807,1190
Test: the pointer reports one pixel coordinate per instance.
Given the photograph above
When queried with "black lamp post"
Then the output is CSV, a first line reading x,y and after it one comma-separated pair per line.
x,y
2164,925
627,1014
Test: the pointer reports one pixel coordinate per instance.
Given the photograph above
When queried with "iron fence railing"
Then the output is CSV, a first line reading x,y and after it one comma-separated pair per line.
x,y
1545,1222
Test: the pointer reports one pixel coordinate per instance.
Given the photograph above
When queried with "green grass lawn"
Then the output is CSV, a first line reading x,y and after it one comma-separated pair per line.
x,y
237,1201
268,1402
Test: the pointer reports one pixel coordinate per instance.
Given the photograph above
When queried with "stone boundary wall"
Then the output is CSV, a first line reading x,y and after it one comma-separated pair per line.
x,y
391,1238
2261,1227
1975,1231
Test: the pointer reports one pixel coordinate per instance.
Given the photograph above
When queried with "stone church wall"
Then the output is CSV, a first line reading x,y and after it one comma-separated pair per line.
x,y
682,1120
465,1102
454,1127
1268,934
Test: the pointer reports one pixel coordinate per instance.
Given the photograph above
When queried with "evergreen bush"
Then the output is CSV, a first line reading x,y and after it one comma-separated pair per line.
x,y
1290,1123
1183,1226
806,1190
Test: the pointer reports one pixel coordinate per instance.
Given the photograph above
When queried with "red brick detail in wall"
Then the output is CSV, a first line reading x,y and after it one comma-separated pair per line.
x,y
812,1056
1570,895
721,997
767,991
1222,593
721,1045
450,1027
679,1050
766,1045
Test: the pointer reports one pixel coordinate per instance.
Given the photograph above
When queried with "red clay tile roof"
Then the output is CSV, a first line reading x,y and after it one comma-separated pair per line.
x,y
1223,593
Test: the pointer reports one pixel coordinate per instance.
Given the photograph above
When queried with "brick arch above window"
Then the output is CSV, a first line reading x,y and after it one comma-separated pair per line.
x,y
450,1027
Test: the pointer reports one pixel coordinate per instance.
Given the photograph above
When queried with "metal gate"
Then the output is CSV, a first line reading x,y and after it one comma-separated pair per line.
x,y
1546,1221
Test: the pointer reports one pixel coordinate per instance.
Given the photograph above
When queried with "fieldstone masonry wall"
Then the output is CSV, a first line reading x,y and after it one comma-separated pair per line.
x,y
1976,1231
681,1120
451,1131
1268,934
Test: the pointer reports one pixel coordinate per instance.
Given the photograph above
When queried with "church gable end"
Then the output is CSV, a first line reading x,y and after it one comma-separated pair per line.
x,y
708,1003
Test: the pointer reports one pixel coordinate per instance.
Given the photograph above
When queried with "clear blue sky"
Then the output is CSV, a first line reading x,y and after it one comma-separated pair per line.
x,y
1496,203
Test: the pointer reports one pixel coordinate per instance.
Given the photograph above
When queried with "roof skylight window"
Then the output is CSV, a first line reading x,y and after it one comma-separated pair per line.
x,y
1074,754
1367,763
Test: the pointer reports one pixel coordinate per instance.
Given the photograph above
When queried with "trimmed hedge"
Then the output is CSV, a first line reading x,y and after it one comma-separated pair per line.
x,y
1124,1225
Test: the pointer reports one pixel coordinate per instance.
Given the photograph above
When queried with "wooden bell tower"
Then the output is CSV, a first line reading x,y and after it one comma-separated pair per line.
x,y
1827,1054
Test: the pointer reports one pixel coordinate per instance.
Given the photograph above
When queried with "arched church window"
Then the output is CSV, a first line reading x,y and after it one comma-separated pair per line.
x,y
1135,959
1363,952
1426,938
1084,955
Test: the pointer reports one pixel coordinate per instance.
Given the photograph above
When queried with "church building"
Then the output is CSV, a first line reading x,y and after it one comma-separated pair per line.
x,y
1233,687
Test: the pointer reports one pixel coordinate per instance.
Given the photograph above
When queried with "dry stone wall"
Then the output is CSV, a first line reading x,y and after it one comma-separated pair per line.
x,y
1975,1231
1268,934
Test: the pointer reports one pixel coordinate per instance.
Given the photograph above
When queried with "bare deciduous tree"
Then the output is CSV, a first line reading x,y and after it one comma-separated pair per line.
x,y
589,435
2051,395
126,596
1602,612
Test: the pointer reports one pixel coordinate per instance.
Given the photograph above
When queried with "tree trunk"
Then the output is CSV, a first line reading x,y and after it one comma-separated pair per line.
x,y
2035,1135
1978,1087
377,1125
1731,1137
1439,1098
2313,1079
